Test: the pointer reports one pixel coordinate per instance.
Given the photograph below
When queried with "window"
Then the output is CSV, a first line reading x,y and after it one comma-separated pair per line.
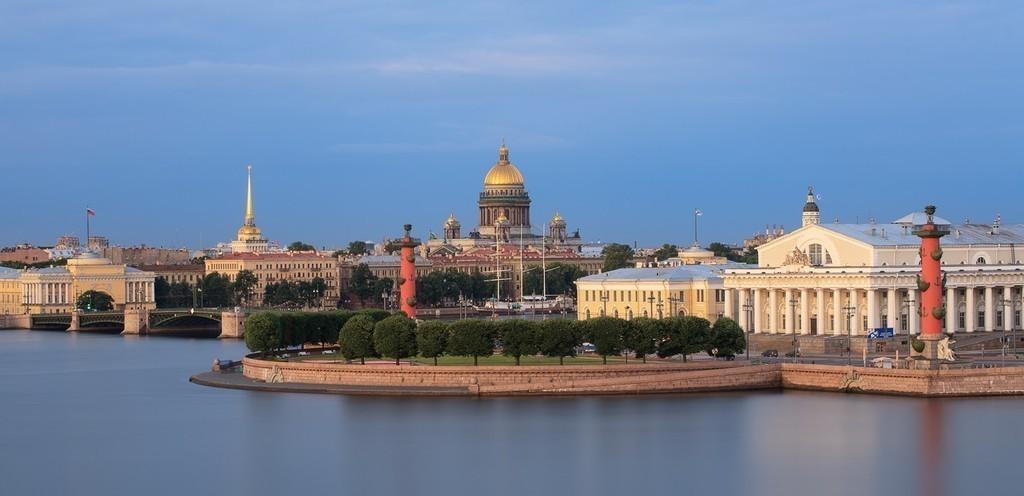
x,y
700,296
980,261
814,253
981,319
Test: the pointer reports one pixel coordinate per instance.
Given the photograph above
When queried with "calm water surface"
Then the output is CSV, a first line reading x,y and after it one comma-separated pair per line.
x,y
92,414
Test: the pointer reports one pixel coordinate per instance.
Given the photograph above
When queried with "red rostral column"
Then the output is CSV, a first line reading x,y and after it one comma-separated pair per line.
x,y
407,274
930,282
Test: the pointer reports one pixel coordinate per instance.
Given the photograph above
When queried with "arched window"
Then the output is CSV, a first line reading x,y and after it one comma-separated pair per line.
x,y
814,254
980,261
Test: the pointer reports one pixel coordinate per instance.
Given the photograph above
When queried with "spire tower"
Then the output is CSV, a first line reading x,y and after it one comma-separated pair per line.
x,y
811,214
250,218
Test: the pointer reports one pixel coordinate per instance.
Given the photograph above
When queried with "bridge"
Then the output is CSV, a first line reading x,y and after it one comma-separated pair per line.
x,y
135,321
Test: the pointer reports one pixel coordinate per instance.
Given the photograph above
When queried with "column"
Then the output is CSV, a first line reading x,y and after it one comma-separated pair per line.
x,y
912,315
820,303
990,307
1007,308
837,312
743,310
952,310
872,310
758,318
857,325
970,319
728,303
892,309
773,311
805,311
790,324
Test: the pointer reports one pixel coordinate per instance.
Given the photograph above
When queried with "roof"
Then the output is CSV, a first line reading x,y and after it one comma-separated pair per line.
x,y
189,267
377,260
9,273
288,255
51,270
668,274
903,234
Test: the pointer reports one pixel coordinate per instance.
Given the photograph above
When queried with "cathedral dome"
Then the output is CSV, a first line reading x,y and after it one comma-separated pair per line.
x,y
503,173
248,232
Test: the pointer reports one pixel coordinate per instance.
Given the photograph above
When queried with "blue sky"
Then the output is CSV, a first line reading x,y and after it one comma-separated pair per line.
x,y
624,117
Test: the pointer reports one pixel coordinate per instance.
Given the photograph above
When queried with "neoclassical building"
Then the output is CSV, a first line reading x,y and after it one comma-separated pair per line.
x,y
56,289
834,279
656,292
270,268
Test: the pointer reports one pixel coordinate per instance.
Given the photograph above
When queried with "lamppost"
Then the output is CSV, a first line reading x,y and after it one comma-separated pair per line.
x,y
650,299
384,298
909,305
629,314
792,307
749,308
604,303
850,309
316,296
672,300
659,306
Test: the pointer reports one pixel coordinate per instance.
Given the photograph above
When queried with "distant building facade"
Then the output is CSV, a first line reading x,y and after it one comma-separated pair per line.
x,y
250,238
276,267
56,289
188,273
25,254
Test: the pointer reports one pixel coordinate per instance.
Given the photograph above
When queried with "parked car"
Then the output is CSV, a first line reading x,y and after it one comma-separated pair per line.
x,y
770,353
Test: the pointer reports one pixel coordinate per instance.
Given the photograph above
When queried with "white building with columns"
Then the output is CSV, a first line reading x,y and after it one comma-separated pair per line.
x,y
834,279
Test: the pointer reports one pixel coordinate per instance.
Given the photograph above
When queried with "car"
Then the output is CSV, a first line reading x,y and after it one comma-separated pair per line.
x,y
770,353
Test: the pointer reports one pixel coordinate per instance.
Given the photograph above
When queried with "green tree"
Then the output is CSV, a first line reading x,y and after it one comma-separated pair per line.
x,y
616,256
518,338
558,338
561,279
383,286
162,293
471,337
317,288
182,295
262,332
725,339
357,248
666,252
361,282
356,338
245,283
644,336
395,337
95,301
684,336
300,246
216,290
432,338
607,334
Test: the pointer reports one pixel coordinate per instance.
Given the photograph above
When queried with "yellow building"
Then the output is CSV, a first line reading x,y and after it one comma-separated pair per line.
x,y
695,290
55,289
276,267
10,292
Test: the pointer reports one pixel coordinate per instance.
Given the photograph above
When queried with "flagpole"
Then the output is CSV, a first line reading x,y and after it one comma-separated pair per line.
x,y
87,235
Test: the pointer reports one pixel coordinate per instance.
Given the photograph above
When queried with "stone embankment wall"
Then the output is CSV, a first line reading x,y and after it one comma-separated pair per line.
x,y
650,378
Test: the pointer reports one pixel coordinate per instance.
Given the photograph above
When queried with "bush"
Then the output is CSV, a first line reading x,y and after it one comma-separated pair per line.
x,y
355,340
376,314
558,338
471,337
262,332
432,338
395,337
518,338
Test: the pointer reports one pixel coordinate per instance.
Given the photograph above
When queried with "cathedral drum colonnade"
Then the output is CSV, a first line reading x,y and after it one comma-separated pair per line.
x,y
830,279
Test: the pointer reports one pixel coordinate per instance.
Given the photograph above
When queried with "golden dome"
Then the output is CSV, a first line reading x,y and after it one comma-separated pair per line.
x,y
245,231
503,173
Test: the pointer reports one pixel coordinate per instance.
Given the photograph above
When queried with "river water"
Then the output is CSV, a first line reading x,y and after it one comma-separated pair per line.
x,y
94,414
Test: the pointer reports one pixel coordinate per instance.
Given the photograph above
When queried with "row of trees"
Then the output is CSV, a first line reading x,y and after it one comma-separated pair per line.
x,y
270,331
295,294
214,290
368,334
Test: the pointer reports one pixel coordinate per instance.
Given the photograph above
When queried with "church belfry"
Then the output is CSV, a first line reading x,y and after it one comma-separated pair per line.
x,y
811,214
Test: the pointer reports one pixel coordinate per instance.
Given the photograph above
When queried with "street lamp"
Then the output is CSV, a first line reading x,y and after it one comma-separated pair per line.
x,y
1008,322
850,309
792,307
660,306
910,305
604,303
749,308
672,300
650,299
384,298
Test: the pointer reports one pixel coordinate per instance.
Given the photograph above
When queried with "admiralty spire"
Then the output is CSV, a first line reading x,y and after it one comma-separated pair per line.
x,y
250,239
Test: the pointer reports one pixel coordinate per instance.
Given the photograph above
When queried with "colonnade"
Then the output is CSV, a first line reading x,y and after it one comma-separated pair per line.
x,y
857,311
47,293
138,292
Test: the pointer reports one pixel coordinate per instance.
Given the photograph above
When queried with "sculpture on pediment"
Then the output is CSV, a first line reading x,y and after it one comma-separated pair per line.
x,y
797,257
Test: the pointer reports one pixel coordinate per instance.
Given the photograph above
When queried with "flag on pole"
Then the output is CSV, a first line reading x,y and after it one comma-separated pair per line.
x,y
89,211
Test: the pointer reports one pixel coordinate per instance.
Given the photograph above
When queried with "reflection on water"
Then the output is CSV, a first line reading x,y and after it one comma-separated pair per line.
x,y
103,414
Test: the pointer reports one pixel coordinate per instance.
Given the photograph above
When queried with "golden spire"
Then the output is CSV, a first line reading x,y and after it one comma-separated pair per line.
x,y
250,219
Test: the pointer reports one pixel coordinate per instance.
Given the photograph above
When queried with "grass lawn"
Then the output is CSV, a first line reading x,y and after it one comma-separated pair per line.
x,y
489,360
